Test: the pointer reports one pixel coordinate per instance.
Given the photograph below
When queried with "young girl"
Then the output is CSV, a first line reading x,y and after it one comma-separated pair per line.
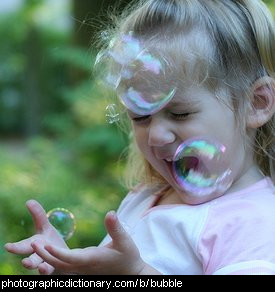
x,y
185,69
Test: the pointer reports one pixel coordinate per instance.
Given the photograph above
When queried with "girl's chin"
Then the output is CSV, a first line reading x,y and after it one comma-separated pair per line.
x,y
186,197
193,199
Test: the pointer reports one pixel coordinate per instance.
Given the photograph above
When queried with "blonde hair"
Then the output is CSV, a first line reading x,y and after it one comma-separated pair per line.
x,y
238,49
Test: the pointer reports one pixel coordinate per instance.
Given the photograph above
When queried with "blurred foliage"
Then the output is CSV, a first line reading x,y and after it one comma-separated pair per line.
x,y
271,5
55,144
44,170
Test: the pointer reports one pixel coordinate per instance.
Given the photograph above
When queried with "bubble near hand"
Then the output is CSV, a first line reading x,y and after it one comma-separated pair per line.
x,y
63,220
200,167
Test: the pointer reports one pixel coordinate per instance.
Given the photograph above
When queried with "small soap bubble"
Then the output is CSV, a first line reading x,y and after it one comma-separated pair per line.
x,y
200,167
63,220
112,115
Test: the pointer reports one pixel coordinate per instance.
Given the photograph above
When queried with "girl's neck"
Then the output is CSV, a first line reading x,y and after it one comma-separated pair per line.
x,y
251,176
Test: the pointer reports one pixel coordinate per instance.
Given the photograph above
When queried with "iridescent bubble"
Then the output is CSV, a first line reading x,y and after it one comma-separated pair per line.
x,y
63,220
112,115
139,103
139,76
200,167
126,50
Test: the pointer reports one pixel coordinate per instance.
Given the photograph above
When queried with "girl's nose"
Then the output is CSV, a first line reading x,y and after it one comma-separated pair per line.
x,y
160,133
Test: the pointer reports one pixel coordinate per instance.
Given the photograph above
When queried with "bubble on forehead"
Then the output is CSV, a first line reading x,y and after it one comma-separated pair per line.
x,y
125,50
137,102
63,220
139,77
200,167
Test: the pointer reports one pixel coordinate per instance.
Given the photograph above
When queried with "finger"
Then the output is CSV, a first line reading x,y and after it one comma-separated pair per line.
x,y
20,247
48,258
120,237
45,269
32,262
72,256
39,215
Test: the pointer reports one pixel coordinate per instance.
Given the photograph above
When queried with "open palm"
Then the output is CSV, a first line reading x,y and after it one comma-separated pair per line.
x,y
45,234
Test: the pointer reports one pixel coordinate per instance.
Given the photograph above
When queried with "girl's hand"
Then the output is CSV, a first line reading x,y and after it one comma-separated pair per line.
x,y
120,256
45,234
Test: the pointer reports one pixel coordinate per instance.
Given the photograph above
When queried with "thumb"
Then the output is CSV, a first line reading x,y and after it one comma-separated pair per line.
x,y
39,215
121,239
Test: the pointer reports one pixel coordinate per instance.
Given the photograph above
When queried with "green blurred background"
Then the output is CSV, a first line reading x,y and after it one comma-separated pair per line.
x,y
55,144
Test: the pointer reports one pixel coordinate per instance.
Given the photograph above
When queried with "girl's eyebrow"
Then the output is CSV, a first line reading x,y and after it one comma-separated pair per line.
x,y
177,102
184,103
182,99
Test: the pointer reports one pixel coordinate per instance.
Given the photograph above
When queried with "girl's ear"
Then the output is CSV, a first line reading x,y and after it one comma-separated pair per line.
x,y
262,103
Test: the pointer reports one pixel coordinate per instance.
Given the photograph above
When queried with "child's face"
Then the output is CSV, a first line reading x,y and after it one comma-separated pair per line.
x,y
194,112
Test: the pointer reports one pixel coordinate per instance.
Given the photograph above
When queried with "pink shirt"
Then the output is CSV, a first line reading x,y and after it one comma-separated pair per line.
x,y
233,234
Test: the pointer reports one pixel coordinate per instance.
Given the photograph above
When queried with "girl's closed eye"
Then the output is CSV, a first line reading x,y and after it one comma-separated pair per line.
x,y
175,116
180,116
139,119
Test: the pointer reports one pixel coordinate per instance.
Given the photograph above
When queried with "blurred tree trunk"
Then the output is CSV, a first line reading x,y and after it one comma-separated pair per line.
x,y
33,95
85,12
33,99
87,16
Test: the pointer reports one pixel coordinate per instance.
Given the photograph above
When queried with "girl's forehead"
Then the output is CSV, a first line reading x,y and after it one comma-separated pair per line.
x,y
146,79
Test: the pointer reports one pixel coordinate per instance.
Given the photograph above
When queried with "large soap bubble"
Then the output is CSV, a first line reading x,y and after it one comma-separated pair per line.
x,y
200,167
138,76
63,220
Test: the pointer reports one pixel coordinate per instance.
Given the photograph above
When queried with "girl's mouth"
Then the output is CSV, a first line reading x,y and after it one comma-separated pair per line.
x,y
188,163
185,163
186,167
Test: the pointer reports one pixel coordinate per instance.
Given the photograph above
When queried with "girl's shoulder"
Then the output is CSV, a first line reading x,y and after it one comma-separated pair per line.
x,y
149,189
143,191
256,200
238,231
141,197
